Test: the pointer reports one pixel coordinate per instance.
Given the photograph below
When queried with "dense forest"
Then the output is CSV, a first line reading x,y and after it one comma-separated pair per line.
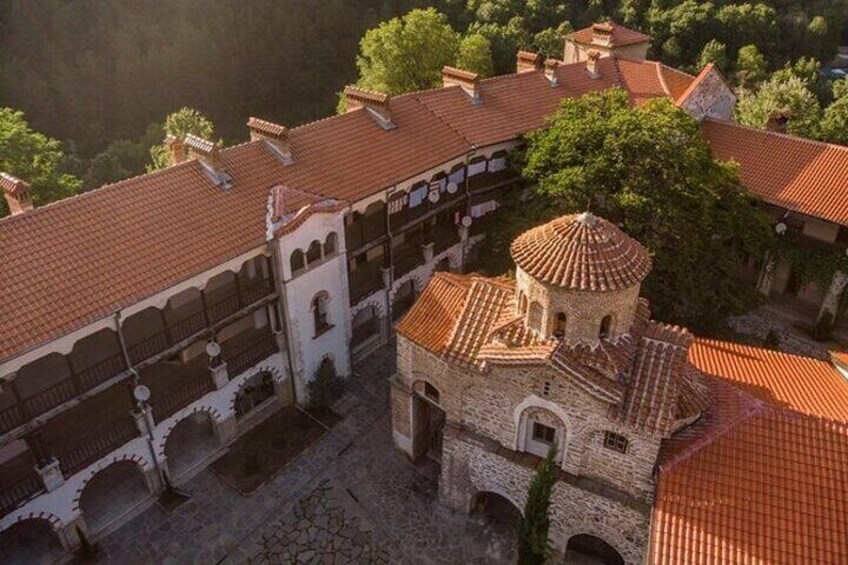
x,y
101,76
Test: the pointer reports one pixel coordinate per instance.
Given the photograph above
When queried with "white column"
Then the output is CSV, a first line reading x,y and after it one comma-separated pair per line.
x,y
220,376
830,304
766,275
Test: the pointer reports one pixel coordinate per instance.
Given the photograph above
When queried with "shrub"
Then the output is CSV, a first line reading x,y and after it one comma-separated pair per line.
x,y
326,386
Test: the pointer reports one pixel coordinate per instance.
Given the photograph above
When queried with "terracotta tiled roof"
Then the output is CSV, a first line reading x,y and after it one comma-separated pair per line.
x,y
804,384
581,252
762,485
620,35
840,357
76,261
12,184
431,320
645,80
791,172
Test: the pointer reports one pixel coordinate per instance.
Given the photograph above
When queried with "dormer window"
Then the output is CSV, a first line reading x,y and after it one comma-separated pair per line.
x,y
606,325
559,326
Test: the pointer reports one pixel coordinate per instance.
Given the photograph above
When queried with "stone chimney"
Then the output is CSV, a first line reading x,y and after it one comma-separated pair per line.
x,y
527,61
778,119
550,71
469,82
376,104
176,149
209,155
275,135
602,33
592,64
18,194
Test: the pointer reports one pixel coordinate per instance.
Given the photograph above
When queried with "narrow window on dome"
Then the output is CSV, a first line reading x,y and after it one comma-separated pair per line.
x,y
559,328
606,323
535,318
522,303
616,442
546,388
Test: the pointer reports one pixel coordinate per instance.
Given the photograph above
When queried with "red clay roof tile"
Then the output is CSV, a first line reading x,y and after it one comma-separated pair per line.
x,y
620,35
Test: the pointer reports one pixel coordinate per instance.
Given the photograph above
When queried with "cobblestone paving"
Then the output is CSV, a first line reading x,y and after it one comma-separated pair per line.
x,y
756,325
388,505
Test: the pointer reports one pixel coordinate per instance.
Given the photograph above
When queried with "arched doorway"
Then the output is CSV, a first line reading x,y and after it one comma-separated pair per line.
x,y
255,391
112,493
584,549
30,542
428,422
499,518
190,443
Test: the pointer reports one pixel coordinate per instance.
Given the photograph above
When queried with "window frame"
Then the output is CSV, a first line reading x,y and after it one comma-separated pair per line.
x,y
617,442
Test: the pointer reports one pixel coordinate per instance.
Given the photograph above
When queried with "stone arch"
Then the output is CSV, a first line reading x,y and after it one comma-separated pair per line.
x,y
419,386
319,306
497,490
189,441
412,278
276,375
112,490
262,383
49,517
605,326
31,538
596,547
374,301
522,410
214,415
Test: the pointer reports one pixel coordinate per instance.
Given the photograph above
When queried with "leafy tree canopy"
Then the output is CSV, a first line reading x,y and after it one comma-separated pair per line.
x,y
834,124
407,53
648,170
179,124
34,158
714,52
475,55
779,93
750,66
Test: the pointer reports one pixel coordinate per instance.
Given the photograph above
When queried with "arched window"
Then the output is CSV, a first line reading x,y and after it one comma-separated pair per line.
x,y
319,312
606,324
313,254
559,326
522,303
330,244
535,319
297,261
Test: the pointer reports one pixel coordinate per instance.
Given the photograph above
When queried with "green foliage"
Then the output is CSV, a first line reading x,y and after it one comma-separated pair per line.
x,y
326,387
475,55
34,158
550,43
179,124
505,40
648,170
777,94
713,52
533,545
809,71
750,66
122,159
834,124
407,53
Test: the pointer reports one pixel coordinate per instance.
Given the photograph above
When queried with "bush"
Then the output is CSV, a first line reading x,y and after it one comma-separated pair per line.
x,y
326,387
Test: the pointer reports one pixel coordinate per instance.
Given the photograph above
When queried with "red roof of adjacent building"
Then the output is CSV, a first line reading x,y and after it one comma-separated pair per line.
x,y
620,34
803,384
794,173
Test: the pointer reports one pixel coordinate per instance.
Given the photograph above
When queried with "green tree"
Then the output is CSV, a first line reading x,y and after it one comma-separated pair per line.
x,y
549,42
649,170
809,71
179,124
713,52
777,94
834,124
506,40
750,66
475,55
34,158
533,545
407,53
122,159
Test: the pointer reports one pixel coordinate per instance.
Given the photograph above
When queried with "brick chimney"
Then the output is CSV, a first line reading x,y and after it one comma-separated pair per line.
x,y
602,33
376,104
18,194
209,155
778,119
275,135
550,71
176,149
592,64
527,61
469,82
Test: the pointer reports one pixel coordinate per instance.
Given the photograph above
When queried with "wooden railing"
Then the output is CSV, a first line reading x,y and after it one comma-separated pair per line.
x,y
101,372
188,326
14,491
365,279
246,358
251,291
223,307
444,237
96,444
406,257
50,397
186,389
148,348
10,418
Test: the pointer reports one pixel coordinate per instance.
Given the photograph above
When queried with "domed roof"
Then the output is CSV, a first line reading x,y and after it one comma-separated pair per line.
x,y
581,252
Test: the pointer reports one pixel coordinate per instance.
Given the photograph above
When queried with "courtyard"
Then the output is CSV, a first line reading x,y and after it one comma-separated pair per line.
x,y
348,498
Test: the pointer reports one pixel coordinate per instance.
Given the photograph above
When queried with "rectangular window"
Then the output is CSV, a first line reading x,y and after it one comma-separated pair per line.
x,y
543,433
616,442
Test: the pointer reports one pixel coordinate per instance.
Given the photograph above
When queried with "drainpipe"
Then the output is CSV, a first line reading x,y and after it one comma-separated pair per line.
x,y
392,190
282,311
124,351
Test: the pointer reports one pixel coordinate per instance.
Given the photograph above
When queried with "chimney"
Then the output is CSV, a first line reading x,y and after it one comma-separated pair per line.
x,y
592,64
602,34
176,150
376,104
275,135
469,82
18,194
550,71
526,62
778,119
209,155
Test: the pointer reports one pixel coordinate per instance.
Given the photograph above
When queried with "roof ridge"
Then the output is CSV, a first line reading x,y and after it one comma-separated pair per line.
x,y
777,134
662,79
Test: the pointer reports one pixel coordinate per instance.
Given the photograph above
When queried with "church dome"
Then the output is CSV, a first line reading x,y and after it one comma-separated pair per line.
x,y
581,252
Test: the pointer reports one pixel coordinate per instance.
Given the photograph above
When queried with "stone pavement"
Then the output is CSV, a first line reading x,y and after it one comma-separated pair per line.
x,y
361,501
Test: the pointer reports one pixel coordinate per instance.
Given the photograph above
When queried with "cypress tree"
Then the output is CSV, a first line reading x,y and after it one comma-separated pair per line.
x,y
533,547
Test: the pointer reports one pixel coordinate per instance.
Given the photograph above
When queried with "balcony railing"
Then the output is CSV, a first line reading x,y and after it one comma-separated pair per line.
x,y
183,391
96,444
187,326
10,418
365,279
244,359
220,308
50,397
148,348
14,491
444,237
406,257
101,372
253,290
